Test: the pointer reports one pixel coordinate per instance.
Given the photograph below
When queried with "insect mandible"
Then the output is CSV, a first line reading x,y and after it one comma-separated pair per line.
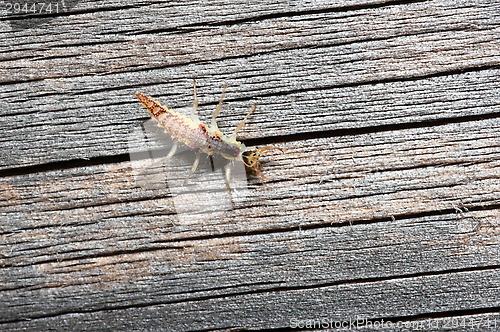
x,y
198,136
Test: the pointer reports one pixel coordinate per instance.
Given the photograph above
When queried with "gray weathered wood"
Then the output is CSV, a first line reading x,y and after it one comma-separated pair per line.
x,y
342,265
384,205
95,235
320,79
401,38
342,179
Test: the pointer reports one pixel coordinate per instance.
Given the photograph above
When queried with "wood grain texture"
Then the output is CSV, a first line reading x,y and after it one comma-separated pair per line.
x,y
344,179
384,206
308,273
322,79
91,232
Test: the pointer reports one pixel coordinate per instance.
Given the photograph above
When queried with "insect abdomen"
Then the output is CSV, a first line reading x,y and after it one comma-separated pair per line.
x,y
195,135
175,124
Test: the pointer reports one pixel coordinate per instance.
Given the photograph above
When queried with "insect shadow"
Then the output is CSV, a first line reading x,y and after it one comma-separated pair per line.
x,y
205,194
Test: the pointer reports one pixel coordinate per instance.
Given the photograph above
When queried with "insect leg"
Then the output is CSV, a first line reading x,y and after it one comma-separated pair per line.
x,y
218,109
242,123
227,173
168,156
195,166
227,178
172,151
194,117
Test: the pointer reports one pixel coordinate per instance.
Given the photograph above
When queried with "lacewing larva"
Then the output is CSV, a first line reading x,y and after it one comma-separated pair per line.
x,y
202,138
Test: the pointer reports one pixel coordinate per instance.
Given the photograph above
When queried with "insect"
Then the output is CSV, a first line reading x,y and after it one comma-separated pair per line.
x,y
198,136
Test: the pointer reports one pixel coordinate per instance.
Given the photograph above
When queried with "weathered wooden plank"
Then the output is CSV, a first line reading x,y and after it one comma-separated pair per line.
x,y
404,268
160,17
325,84
103,127
483,322
279,308
489,321
322,181
134,44
105,246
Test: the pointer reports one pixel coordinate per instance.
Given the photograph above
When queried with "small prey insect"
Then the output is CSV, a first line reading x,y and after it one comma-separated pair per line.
x,y
198,136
